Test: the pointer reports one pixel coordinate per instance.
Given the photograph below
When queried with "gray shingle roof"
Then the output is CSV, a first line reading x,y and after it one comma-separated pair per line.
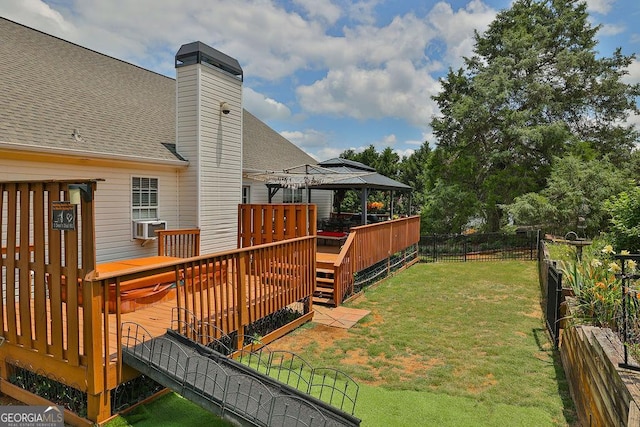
x,y
265,149
51,87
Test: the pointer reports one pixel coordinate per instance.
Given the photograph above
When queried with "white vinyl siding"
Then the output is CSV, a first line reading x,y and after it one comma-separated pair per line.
x,y
113,215
212,143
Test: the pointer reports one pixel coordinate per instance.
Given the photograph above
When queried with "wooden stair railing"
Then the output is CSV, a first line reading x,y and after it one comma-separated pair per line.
x,y
180,243
334,281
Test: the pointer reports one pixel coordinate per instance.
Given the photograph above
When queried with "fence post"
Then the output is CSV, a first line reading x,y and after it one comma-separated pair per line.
x,y
435,255
241,297
464,247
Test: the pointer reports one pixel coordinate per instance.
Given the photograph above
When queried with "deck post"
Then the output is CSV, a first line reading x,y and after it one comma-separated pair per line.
x,y
99,406
98,397
241,297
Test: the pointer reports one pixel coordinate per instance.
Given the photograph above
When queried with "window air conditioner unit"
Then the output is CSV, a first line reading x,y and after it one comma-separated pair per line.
x,y
146,230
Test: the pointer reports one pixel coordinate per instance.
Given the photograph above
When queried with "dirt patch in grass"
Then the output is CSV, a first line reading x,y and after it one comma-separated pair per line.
x,y
489,381
323,337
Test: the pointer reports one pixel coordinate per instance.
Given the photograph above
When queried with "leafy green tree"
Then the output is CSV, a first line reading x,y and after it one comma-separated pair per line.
x,y
624,210
388,163
576,189
413,172
535,88
447,209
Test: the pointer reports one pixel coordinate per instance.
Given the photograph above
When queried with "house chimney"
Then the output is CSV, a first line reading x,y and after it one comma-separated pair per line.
x,y
209,136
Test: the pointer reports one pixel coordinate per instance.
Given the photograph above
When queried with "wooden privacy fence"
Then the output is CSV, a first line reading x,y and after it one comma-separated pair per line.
x,y
258,224
46,240
368,245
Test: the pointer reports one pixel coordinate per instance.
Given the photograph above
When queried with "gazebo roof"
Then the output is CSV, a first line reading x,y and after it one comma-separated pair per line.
x,y
357,176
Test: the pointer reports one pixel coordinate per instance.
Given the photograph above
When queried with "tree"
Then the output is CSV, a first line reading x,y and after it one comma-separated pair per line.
x,y
412,172
576,189
534,89
625,219
446,209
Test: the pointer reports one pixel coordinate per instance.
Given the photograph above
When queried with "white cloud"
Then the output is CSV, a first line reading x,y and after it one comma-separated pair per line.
x,y
456,28
611,30
398,90
599,6
634,73
363,11
404,153
322,9
262,106
36,14
314,142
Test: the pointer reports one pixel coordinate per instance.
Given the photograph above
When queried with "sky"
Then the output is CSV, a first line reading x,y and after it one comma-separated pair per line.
x,y
328,75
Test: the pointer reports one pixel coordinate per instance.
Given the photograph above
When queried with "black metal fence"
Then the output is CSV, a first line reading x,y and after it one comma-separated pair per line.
x,y
479,247
550,277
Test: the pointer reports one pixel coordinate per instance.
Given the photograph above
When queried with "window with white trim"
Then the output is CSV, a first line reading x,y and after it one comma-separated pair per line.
x,y
292,195
144,198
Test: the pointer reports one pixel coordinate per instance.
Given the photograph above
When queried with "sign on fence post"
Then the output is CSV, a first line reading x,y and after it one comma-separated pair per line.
x,y
63,216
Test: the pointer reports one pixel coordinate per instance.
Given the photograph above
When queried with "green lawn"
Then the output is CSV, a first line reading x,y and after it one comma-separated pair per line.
x,y
451,344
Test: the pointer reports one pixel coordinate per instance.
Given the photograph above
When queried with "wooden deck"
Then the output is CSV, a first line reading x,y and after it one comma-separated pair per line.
x,y
156,317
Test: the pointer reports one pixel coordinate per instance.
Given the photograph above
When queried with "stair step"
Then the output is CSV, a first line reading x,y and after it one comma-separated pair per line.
x,y
323,291
324,270
323,301
324,281
324,265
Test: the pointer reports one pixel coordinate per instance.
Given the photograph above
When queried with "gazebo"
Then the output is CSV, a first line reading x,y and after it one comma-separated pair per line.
x,y
363,178
333,174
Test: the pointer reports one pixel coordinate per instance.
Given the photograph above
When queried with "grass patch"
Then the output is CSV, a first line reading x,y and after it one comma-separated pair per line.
x,y
168,410
470,334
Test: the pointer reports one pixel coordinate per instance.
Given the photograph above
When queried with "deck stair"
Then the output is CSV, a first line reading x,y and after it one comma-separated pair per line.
x,y
324,284
223,385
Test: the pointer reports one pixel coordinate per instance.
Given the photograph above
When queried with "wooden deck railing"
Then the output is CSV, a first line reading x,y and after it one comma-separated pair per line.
x,y
367,245
228,291
38,252
181,243
376,242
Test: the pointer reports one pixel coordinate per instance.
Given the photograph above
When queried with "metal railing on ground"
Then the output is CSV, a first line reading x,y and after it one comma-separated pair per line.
x,y
479,247
329,385
225,386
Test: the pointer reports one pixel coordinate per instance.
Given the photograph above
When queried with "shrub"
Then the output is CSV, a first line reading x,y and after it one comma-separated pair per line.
x,y
624,210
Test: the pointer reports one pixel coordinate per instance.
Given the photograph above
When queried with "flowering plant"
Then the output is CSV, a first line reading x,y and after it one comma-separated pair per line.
x,y
375,205
596,285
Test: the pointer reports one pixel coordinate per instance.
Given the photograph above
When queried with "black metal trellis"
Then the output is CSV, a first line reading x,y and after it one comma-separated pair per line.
x,y
627,296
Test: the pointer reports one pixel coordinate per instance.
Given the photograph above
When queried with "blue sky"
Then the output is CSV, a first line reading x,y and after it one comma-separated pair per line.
x,y
329,75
